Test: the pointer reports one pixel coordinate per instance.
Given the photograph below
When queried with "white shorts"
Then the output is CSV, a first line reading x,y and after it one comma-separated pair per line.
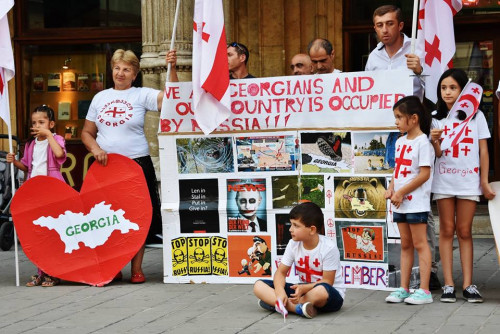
x,y
474,198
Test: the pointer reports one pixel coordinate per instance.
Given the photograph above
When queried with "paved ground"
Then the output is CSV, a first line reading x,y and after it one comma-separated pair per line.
x,y
155,307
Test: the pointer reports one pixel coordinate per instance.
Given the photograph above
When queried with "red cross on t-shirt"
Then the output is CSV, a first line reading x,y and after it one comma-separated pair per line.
x,y
401,161
308,271
115,111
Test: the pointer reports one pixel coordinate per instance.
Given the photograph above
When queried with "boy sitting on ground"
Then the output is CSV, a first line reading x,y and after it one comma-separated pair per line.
x,y
317,260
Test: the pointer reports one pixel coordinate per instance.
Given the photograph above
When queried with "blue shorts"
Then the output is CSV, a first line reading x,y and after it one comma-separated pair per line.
x,y
410,218
333,304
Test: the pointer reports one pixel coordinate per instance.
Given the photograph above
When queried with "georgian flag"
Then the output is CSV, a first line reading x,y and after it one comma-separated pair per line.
x,y
211,101
7,68
437,38
468,102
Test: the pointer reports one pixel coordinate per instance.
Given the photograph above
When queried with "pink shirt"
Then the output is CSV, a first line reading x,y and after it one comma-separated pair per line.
x,y
53,163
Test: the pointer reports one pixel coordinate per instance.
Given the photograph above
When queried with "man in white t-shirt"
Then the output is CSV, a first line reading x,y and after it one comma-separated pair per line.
x,y
317,261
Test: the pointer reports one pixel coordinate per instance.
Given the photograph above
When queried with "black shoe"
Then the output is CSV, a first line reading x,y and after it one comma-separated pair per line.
x,y
448,295
472,295
434,283
331,149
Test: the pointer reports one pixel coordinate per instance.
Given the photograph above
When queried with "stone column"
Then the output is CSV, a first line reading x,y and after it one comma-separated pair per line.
x,y
157,25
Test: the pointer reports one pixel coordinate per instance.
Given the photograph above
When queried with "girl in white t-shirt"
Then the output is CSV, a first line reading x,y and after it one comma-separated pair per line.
x,y
409,192
460,177
43,155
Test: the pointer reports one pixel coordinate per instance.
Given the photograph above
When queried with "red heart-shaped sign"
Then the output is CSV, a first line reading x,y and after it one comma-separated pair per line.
x,y
89,236
409,197
476,169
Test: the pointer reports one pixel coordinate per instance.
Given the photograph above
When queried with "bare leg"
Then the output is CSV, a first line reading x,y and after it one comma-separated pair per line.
x,y
264,292
406,254
419,237
137,261
318,296
465,215
446,208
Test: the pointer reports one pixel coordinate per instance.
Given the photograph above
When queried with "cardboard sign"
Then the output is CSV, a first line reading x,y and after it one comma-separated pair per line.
x,y
89,236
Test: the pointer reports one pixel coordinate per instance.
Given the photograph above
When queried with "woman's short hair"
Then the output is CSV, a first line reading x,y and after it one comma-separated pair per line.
x,y
127,56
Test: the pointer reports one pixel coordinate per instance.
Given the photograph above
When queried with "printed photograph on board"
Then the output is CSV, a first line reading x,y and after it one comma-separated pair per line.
x,y
199,206
267,153
199,256
360,197
326,152
246,205
374,152
291,190
283,235
250,256
362,241
205,155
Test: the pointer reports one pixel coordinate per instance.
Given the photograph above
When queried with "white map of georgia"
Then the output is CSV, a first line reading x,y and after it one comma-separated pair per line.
x,y
93,229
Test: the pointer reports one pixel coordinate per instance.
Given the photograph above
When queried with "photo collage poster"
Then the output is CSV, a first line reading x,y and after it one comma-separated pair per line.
x,y
326,139
241,189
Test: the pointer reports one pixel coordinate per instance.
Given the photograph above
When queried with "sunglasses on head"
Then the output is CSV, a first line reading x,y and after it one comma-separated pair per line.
x,y
236,45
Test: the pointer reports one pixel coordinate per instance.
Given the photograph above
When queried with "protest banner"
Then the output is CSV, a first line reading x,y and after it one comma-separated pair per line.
x,y
288,140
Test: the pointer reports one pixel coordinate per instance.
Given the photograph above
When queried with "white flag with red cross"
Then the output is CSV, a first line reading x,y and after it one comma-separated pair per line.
x,y
468,102
7,69
211,101
437,38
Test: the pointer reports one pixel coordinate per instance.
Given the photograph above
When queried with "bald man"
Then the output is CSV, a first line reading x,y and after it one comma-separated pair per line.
x,y
301,64
322,56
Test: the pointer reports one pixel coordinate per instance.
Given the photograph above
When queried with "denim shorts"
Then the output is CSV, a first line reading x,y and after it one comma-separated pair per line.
x,y
410,218
333,304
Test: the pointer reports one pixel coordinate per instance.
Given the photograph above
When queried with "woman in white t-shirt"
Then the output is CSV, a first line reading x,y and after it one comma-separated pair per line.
x,y
115,124
460,177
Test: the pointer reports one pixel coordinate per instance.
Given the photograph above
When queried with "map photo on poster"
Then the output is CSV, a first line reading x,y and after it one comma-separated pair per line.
x,y
267,153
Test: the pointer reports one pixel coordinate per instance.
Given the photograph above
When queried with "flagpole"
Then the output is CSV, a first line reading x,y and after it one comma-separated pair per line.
x,y
172,41
13,186
414,25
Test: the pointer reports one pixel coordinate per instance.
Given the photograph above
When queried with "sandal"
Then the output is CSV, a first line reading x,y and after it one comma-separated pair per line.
x,y
50,281
35,280
137,278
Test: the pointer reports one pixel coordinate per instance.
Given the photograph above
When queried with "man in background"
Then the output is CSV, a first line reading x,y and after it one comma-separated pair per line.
x,y
237,57
322,56
301,64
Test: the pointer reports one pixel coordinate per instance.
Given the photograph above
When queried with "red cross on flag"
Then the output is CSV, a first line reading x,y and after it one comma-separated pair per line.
x,y
437,38
6,60
468,102
211,102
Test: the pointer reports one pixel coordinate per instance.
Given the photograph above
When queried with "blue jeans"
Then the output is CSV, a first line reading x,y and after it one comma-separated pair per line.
x,y
333,303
